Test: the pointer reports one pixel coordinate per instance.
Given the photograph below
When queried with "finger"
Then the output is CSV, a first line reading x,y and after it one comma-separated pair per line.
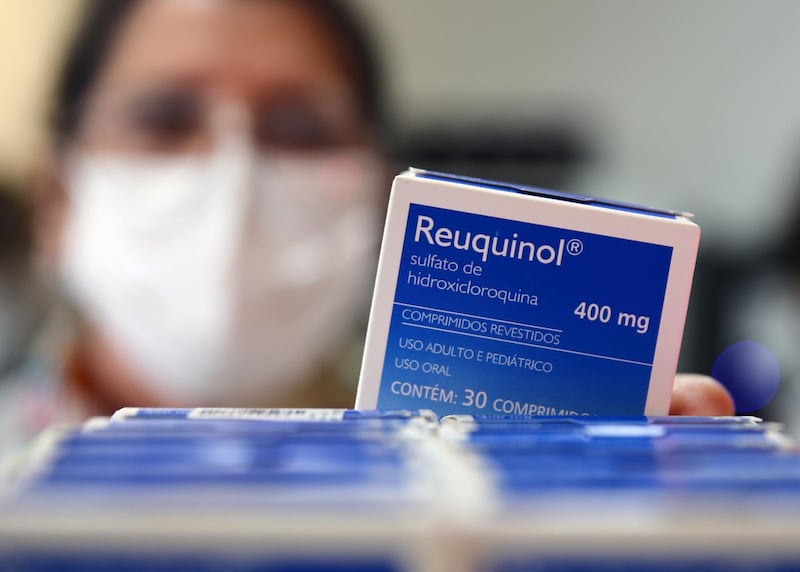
x,y
695,394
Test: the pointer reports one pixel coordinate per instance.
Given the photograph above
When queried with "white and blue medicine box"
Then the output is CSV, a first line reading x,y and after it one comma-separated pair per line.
x,y
493,298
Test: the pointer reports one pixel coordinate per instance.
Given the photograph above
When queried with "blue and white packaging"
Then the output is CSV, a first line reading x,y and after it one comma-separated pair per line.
x,y
494,298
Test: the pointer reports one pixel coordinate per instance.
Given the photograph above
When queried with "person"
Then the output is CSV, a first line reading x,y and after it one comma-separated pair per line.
x,y
213,203
211,208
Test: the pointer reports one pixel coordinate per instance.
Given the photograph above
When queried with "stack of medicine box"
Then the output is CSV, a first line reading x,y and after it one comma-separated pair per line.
x,y
248,490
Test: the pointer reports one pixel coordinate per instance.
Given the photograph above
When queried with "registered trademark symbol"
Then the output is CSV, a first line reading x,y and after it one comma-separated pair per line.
x,y
574,247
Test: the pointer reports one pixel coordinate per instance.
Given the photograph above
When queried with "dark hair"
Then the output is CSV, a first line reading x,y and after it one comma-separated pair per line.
x,y
16,231
102,19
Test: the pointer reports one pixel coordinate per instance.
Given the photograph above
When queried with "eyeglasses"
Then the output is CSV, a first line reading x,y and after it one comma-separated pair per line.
x,y
184,121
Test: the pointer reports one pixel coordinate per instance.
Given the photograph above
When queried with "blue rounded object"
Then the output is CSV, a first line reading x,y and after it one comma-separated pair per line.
x,y
750,373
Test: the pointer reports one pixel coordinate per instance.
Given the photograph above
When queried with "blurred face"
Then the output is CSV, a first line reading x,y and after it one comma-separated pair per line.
x,y
177,64
220,221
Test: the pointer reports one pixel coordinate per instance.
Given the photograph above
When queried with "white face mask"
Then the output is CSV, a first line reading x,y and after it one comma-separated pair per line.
x,y
225,277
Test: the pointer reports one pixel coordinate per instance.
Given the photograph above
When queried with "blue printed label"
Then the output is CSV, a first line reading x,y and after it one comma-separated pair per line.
x,y
493,316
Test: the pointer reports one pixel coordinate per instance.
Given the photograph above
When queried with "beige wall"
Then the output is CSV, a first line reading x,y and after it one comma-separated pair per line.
x,y
32,35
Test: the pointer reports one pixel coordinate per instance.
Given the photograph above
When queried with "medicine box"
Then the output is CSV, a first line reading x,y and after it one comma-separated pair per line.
x,y
495,298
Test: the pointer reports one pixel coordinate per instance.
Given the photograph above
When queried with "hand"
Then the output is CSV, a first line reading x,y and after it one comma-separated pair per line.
x,y
695,394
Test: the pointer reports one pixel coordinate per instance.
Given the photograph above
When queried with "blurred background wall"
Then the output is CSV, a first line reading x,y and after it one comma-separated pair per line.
x,y
688,104
684,104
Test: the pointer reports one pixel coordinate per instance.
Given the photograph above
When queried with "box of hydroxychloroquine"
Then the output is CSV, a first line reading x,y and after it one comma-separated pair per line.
x,y
493,298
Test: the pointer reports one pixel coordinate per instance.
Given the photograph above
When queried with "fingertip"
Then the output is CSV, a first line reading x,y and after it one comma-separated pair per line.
x,y
695,394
